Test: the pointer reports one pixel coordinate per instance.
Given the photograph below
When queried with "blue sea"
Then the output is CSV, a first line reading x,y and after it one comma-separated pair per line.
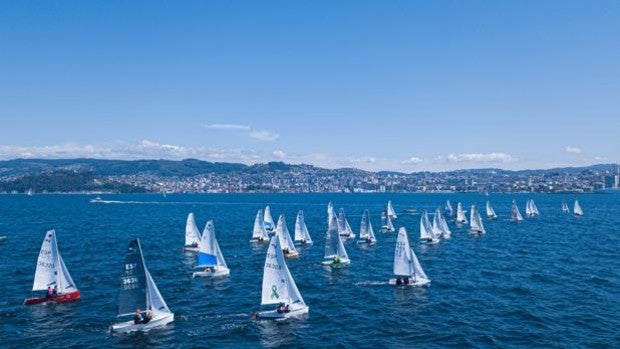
x,y
550,281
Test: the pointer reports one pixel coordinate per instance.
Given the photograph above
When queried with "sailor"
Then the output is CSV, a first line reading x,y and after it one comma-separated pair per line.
x,y
281,309
137,318
147,317
55,291
50,292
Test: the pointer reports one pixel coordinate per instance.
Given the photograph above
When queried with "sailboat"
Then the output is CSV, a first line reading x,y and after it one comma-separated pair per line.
x,y
515,215
440,226
269,224
52,275
460,214
490,211
475,221
367,235
577,210
390,210
335,255
427,235
344,228
534,208
386,222
407,268
138,291
279,287
302,237
259,233
210,257
565,207
192,235
30,192
288,247
448,209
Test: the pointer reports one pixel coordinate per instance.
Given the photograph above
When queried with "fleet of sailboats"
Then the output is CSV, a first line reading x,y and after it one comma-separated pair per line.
x,y
407,268
210,258
192,235
52,275
139,296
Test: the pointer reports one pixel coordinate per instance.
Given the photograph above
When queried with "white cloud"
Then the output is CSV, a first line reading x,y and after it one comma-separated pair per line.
x,y
480,157
412,161
264,136
573,150
279,154
600,158
228,127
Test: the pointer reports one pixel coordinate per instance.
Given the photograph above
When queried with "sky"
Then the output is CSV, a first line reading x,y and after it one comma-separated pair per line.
x,y
378,85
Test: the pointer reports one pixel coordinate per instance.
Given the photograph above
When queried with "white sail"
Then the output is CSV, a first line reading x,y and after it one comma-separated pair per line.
x,y
156,301
192,234
490,211
390,210
333,244
259,232
440,227
565,207
344,228
330,212
51,269
386,221
475,223
366,230
209,253
460,214
515,215
285,237
577,210
448,209
269,224
426,230
301,230
534,208
405,261
278,284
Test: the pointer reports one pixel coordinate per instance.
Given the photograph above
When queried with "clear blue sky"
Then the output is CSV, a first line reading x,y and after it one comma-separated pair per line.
x,y
404,85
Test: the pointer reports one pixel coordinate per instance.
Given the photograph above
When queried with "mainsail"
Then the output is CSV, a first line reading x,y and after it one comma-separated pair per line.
x,y
209,253
426,230
278,284
284,236
301,230
577,210
259,232
269,225
51,269
448,209
475,223
515,215
333,244
366,227
405,261
390,210
460,214
490,211
192,234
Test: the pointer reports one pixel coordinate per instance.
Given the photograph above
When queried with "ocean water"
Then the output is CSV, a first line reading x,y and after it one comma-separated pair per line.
x,y
550,281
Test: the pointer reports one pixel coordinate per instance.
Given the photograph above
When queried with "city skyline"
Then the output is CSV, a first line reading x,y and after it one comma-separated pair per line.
x,y
404,86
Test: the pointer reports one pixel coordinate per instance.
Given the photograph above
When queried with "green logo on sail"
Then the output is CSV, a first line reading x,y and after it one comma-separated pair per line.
x,y
274,292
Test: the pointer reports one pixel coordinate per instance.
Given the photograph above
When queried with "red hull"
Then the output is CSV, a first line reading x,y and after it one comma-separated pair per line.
x,y
67,297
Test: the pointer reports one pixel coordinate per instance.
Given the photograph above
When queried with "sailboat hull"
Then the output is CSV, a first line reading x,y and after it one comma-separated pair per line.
x,y
430,242
385,229
336,265
291,254
129,326
67,297
220,272
366,242
409,282
274,315
259,241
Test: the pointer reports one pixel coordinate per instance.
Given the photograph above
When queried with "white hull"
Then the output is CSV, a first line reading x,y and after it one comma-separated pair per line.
x,y
385,229
259,241
221,272
350,236
480,232
365,242
190,249
157,321
411,282
291,254
431,241
274,315
301,243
